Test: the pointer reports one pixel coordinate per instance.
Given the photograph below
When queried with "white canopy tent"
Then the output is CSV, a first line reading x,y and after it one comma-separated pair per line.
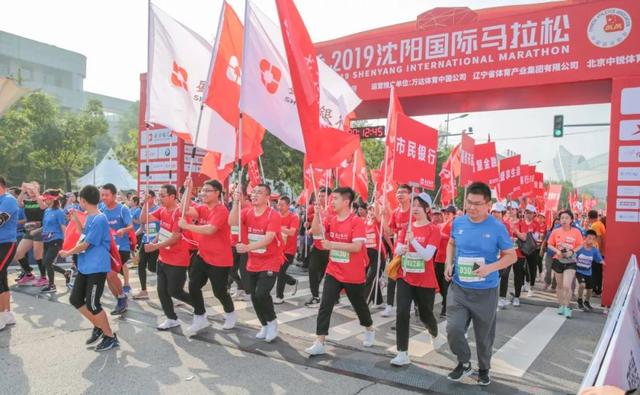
x,y
109,170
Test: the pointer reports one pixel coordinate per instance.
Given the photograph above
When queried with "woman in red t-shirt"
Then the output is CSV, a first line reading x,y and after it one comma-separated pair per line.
x,y
416,278
372,231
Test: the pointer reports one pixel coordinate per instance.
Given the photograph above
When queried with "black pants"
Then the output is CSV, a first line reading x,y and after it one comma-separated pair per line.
x,y
238,273
518,278
146,260
532,266
199,273
597,278
87,291
49,256
369,292
443,284
171,281
7,252
283,277
331,293
260,286
423,298
317,266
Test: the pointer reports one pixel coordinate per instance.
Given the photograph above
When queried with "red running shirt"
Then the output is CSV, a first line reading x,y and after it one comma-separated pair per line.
x,y
215,249
290,221
268,258
178,253
344,266
415,270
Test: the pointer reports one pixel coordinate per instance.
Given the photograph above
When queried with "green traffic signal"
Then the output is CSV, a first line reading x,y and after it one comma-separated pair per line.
x,y
558,125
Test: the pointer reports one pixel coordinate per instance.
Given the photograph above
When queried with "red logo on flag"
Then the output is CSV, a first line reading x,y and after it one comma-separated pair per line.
x,y
179,77
270,76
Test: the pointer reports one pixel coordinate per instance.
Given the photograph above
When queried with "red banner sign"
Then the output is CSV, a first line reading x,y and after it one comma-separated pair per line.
x,y
553,198
527,173
486,164
467,163
509,177
538,186
497,48
416,153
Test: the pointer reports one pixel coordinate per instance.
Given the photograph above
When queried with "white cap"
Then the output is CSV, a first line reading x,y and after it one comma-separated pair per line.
x,y
498,207
531,208
425,198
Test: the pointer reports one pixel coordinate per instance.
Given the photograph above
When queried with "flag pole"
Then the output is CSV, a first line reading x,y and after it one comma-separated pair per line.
x,y
326,184
240,168
315,191
261,169
410,206
353,175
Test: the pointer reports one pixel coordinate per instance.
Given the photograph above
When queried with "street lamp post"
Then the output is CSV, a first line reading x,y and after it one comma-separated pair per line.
x,y
448,120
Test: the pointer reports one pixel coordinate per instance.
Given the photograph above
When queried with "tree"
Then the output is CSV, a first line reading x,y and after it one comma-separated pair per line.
x,y
69,143
127,138
282,163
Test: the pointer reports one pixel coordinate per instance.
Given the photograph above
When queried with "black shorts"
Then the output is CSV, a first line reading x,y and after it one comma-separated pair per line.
x,y
586,280
37,237
560,267
124,257
87,291
7,251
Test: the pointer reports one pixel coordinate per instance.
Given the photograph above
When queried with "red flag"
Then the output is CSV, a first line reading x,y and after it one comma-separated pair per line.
x,y
321,177
325,147
553,198
467,165
395,108
416,153
253,171
252,135
353,174
448,173
509,177
486,164
211,167
573,200
527,173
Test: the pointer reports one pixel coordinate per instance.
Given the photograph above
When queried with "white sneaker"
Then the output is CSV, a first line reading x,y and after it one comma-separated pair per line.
x,y
9,318
199,323
229,320
316,349
369,338
262,333
525,287
502,303
530,293
515,302
239,295
272,331
278,301
388,311
168,324
401,359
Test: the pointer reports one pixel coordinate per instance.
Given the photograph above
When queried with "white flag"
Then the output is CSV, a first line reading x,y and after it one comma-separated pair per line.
x,y
179,62
267,92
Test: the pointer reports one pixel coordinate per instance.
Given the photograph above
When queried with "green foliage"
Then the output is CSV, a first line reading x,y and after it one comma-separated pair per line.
x,y
127,139
282,163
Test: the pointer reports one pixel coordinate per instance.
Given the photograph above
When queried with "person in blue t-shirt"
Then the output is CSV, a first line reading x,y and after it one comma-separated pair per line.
x,y
586,256
94,263
119,218
8,236
54,223
478,249
147,260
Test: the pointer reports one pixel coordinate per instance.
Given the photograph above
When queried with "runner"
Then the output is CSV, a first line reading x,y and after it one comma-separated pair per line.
x,y
290,223
374,249
214,259
147,260
264,248
239,273
54,224
549,279
8,235
449,214
477,240
515,219
173,259
94,263
530,225
586,257
564,242
399,220
318,258
499,211
417,281
119,218
32,239
344,237
597,226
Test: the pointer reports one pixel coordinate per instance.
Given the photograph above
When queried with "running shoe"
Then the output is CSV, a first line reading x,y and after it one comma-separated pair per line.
x,y
317,348
168,324
127,290
567,312
272,331
27,279
96,334
142,295
22,274
8,317
67,277
48,289
295,287
262,333
199,323
461,371
121,306
580,304
369,338
483,377
560,310
229,320
312,302
108,343
588,306
388,311
41,282
278,301
515,302
402,359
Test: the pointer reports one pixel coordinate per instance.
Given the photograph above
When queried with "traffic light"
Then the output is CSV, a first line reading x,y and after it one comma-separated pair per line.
x,y
558,125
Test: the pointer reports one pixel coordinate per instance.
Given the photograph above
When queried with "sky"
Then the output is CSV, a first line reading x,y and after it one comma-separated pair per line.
x,y
113,37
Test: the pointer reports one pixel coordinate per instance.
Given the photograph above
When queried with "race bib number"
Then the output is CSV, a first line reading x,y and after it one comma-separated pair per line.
x,y
412,263
466,268
164,235
152,230
235,230
254,238
371,240
338,256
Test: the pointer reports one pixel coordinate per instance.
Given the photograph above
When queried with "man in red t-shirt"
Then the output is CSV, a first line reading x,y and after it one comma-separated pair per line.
x,y
213,260
173,259
344,237
318,258
399,221
530,225
264,246
289,230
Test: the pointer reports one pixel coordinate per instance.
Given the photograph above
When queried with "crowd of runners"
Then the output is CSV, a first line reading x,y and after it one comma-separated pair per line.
x,y
392,260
